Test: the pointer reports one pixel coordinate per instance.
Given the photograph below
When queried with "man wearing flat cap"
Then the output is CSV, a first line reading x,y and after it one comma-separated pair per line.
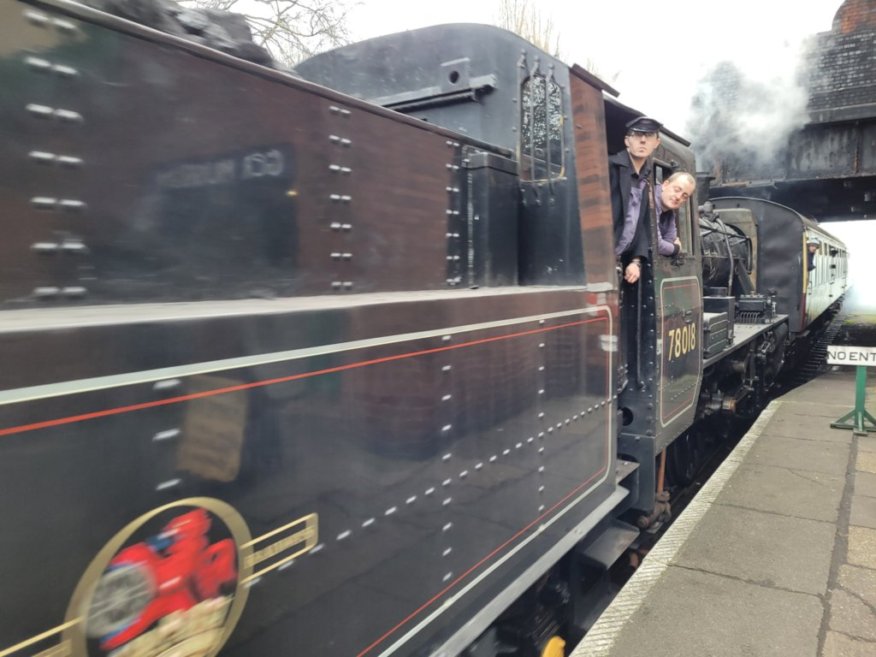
x,y
812,245
629,171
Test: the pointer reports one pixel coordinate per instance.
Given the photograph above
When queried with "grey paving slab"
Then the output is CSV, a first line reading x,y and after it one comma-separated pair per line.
x,y
842,395
829,388
850,615
694,614
860,582
797,493
862,547
863,512
865,484
840,645
830,458
827,411
866,461
790,426
752,576
771,550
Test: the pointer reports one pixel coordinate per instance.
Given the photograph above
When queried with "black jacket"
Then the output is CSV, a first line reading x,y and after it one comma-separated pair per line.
x,y
620,170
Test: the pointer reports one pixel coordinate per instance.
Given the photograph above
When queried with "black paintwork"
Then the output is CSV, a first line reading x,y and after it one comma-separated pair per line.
x,y
222,282
347,446
470,78
442,464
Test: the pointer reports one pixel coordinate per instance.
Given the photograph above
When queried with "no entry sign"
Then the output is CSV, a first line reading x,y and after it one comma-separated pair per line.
x,y
847,355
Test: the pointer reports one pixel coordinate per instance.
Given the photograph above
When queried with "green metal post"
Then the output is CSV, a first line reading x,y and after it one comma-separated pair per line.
x,y
859,417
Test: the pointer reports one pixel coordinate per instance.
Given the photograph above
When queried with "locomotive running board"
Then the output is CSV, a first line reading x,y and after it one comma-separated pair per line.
x,y
611,544
481,621
624,469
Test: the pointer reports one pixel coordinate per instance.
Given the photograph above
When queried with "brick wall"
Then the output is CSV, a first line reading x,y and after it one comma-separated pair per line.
x,y
843,61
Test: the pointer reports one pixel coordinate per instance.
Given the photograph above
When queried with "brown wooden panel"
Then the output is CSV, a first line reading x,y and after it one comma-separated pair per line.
x,y
199,180
594,205
400,203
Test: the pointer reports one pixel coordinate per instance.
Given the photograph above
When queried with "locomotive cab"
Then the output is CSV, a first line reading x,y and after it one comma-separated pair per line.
x,y
663,318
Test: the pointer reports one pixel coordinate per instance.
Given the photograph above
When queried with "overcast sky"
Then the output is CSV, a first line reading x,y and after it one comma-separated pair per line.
x,y
653,53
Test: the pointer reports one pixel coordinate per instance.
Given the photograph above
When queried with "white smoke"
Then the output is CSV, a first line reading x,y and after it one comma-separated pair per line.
x,y
742,118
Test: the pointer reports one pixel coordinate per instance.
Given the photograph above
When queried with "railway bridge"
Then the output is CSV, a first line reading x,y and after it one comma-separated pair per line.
x,y
829,165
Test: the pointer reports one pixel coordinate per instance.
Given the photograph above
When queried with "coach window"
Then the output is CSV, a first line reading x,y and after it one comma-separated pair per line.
x,y
820,267
541,128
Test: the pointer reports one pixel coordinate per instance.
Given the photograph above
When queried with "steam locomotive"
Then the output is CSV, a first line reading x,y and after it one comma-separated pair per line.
x,y
329,365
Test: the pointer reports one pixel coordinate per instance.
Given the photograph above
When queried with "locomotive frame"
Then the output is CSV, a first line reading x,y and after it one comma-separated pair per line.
x,y
315,363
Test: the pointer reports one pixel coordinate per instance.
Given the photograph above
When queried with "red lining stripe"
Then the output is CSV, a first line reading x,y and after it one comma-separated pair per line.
x,y
45,424
684,404
489,556
209,393
517,535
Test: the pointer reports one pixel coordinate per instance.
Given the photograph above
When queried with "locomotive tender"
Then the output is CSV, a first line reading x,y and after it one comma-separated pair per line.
x,y
330,366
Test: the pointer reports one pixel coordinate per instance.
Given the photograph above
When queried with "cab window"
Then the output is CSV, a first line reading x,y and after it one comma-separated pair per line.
x,y
541,128
684,214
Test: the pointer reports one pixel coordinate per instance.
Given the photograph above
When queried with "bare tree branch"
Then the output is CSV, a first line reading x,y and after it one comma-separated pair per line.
x,y
525,20
291,30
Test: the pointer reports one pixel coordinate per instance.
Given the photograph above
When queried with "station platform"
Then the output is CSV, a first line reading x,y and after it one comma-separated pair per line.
x,y
775,556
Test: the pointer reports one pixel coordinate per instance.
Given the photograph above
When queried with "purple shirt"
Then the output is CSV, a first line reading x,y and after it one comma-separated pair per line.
x,y
632,216
667,230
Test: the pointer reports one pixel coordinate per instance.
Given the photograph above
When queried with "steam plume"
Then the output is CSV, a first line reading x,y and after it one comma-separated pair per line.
x,y
740,123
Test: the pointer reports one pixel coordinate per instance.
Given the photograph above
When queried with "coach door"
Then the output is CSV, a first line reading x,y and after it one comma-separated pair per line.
x,y
679,323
